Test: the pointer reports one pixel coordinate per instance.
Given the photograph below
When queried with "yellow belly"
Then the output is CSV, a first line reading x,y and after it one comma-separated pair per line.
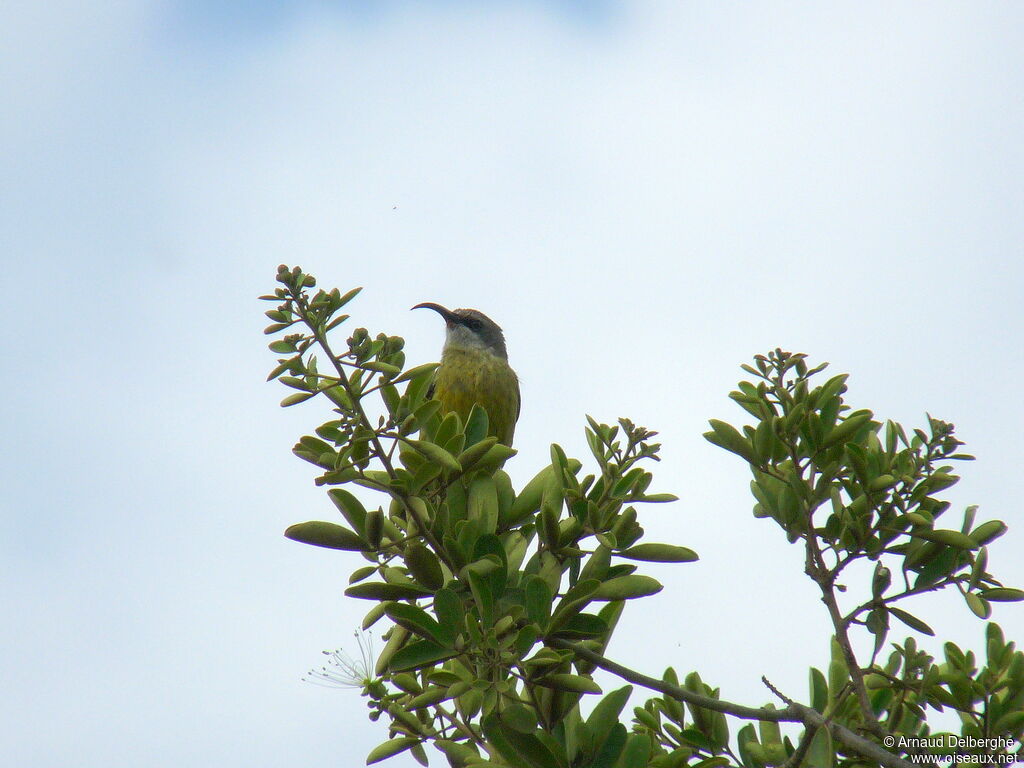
x,y
474,377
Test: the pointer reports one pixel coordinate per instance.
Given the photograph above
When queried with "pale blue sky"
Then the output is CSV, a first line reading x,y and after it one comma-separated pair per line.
x,y
643,194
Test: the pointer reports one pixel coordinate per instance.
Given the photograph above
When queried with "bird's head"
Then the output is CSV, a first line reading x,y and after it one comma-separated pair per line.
x,y
470,329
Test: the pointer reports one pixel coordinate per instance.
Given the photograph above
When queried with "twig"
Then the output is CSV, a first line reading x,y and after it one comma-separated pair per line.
x,y
805,739
899,596
818,571
793,713
802,748
462,727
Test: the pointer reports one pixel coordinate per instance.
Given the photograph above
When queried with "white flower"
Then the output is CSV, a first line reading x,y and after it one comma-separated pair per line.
x,y
344,671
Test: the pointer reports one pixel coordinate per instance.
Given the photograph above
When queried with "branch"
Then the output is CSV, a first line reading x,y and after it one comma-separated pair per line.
x,y
462,727
899,596
793,713
825,579
321,338
856,674
802,748
805,739
817,570
689,697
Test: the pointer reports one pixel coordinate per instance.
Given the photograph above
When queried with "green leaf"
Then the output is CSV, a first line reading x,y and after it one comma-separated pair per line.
x,y
657,498
1003,594
819,690
626,482
877,624
646,718
374,529
987,532
659,553
448,609
481,590
415,372
912,621
519,718
418,654
580,626
378,590
450,426
425,412
979,607
374,615
558,458
627,588
475,453
297,383
834,386
362,573
321,534
350,507
491,544
298,397
978,568
538,601
882,483
636,753
745,739
424,566
420,755
611,747
881,580
719,731
506,495
1009,724
940,481
528,500
948,537
437,454
712,762
339,397
482,503
336,322
770,731
275,327
596,566
476,425
606,713
726,436
495,456
392,400
572,602
563,681
281,368
847,428
821,753
346,298
417,621
390,748
456,752
519,749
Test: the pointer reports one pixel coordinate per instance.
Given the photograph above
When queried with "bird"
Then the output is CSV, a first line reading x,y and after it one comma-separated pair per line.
x,y
474,370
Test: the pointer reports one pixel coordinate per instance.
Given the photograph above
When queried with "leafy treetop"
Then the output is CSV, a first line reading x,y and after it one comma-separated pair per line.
x,y
501,605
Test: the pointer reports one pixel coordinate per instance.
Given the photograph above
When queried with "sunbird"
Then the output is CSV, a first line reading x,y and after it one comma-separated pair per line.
x,y
474,369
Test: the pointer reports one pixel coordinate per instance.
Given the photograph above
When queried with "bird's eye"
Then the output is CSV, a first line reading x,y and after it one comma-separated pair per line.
x,y
474,324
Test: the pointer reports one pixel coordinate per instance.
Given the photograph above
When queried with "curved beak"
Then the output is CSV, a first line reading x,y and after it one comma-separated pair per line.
x,y
449,316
